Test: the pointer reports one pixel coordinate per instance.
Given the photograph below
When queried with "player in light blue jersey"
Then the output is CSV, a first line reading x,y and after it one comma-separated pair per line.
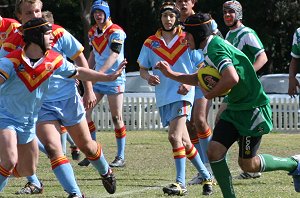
x,y
107,40
25,77
168,44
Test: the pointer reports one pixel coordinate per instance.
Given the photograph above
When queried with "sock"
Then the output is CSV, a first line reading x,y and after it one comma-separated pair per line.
x,y
223,177
34,180
99,161
180,160
4,174
41,147
204,139
92,129
272,163
194,157
121,141
65,175
196,143
70,140
63,139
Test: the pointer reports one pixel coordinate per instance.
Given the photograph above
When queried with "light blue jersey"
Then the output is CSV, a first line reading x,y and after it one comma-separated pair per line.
x,y
180,59
101,43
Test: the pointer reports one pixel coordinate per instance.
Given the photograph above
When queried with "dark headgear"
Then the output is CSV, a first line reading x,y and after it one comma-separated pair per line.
x,y
171,6
34,30
101,5
236,6
199,25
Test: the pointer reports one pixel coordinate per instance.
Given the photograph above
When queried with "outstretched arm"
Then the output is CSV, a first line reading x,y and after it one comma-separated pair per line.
x,y
293,82
190,79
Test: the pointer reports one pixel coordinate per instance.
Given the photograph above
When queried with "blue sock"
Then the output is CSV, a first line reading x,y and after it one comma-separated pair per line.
x,y
204,141
41,147
33,179
121,141
194,157
4,174
70,140
180,163
63,139
65,175
99,162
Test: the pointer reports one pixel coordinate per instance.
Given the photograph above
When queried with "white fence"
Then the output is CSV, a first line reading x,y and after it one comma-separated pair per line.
x,y
142,114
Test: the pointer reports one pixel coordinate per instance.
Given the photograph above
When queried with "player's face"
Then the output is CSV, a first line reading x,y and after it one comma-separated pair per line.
x,y
185,7
99,17
229,17
30,11
168,19
190,40
48,39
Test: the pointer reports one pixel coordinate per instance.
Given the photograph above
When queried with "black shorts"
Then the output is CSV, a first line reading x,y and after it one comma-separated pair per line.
x,y
226,134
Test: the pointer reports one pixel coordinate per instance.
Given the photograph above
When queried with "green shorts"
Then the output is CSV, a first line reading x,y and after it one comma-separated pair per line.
x,y
254,122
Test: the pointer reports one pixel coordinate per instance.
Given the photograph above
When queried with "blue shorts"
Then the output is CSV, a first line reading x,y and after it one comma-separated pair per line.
x,y
171,111
68,112
108,90
198,93
25,133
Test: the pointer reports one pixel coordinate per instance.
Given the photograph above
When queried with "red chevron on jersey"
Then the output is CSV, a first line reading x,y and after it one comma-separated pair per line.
x,y
171,55
58,32
33,77
100,43
7,27
13,42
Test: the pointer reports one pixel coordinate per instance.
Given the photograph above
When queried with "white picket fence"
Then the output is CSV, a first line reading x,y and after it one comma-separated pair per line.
x,y
141,114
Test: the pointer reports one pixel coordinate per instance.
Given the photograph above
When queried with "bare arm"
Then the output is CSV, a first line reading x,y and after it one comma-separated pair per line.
x,y
260,61
190,79
229,79
91,60
151,79
293,82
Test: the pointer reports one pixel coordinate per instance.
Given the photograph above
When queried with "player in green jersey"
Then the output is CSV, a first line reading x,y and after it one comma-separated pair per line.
x,y
248,115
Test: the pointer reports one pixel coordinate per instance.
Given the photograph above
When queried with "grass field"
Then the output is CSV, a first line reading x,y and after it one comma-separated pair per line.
x,y
149,167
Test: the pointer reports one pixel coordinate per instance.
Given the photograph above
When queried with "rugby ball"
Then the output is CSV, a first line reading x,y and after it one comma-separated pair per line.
x,y
208,77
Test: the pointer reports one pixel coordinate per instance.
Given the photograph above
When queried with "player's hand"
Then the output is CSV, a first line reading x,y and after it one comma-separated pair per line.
x,y
293,86
164,67
153,80
89,99
183,89
119,71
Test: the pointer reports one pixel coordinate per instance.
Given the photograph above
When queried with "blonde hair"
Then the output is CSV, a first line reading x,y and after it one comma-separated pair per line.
x,y
19,2
48,16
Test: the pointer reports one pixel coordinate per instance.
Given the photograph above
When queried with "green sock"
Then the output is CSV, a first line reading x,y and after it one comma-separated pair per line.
x,y
272,163
223,177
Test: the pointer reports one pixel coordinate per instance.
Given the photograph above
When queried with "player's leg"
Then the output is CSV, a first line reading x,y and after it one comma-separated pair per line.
x,y
91,125
8,155
116,108
93,151
49,134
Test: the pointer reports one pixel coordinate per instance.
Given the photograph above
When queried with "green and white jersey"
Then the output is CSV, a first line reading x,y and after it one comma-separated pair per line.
x,y
296,44
246,40
248,92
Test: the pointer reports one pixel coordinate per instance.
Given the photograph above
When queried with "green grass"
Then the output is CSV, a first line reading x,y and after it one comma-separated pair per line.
x,y
150,166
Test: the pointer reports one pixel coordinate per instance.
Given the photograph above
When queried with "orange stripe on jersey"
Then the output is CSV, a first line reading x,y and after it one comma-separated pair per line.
x,y
204,135
171,55
4,172
97,155
179,153
190,154
59,161
57,32
33,77
13,41
120,133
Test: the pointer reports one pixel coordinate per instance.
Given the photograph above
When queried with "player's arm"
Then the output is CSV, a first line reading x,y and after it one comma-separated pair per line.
x,y
293,82
151,79
229,79
112,58
260,61
91,60
86,74
190,79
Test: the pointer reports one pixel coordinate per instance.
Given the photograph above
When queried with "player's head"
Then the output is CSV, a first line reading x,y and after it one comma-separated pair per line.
x,y
48,16
34,31
28,9
101,5
235,8
199,26
169,11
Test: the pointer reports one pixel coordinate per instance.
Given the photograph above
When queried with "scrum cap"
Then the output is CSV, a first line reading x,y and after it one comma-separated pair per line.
x,y
34,30
101,5
236,6
199,25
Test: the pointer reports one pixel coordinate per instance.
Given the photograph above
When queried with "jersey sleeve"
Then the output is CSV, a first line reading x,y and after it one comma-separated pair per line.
x,y
144,58
254,44
116,40
296,44
67,69
6,68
